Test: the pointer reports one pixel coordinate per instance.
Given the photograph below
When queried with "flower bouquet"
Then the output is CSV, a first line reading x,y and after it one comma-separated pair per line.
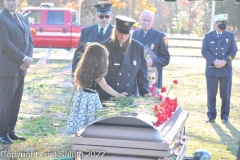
x,y
163,106
166,107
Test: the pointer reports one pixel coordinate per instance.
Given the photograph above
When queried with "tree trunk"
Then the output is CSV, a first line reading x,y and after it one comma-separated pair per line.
x,y
176,7
1,4
133,10
88,12
159,25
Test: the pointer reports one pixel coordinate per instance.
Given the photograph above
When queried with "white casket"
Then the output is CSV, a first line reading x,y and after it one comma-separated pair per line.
x,y
132,137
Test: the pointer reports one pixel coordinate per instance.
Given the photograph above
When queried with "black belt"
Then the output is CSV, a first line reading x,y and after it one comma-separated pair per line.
x,y
90,90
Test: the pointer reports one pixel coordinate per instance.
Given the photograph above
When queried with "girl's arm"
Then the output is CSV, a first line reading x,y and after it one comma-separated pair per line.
x,y
103,84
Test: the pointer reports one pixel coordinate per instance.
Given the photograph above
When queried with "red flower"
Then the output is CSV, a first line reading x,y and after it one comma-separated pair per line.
x,y
175,104
175,81
155,108
163,89
166,108
160,97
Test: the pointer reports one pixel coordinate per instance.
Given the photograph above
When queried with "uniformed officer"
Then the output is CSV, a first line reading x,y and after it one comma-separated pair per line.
x,y
95,33
127,66
219,49
155,40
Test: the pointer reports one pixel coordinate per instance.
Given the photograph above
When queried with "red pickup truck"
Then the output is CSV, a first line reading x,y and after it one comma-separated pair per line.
x,y
53,27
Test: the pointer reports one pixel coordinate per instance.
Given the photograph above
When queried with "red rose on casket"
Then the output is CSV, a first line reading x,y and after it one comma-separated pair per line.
x,y
166,108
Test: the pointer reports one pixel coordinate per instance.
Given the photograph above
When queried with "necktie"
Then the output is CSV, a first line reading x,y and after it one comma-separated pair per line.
x,y
144,34
18,21
219,35
101,33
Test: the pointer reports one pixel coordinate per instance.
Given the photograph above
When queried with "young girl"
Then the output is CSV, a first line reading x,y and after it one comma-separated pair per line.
x,y
152,75
90,70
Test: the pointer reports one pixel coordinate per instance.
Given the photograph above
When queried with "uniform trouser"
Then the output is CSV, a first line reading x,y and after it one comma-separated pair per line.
x,y
11,89
225,84
160,79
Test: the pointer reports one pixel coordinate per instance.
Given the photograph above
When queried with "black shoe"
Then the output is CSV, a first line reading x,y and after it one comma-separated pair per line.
x,y
210,120
225,121
5,140
14,136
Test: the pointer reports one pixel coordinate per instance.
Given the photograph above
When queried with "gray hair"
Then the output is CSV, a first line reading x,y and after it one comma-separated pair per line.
x,y
152,14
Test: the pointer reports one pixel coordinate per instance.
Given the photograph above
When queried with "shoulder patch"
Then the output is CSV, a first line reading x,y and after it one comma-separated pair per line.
x,y
165,39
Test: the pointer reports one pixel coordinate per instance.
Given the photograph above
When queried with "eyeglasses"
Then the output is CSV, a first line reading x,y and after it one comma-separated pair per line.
x,y
102,16
152,78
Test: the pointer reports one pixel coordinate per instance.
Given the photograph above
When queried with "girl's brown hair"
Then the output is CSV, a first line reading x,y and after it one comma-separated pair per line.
x,y
93,65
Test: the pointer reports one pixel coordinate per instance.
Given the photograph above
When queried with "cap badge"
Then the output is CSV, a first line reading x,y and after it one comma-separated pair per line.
x,y
152,46
102,5
126,23
134,62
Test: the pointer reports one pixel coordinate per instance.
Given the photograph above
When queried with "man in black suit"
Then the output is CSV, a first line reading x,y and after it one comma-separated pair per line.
x,y
16,48
95,33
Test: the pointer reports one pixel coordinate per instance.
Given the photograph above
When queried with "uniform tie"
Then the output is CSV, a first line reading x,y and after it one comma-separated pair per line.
x,y
219,36
18,21
101,33
144,34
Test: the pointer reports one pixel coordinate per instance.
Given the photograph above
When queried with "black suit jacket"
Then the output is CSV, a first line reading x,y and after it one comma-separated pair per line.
x,y
15,43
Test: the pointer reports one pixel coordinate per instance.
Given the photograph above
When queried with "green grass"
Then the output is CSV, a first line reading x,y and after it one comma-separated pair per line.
x,y
40,126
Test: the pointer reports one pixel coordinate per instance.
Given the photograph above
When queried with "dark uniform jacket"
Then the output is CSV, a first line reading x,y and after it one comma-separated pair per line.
x,y
223,48
127,72
155,40
89,35
15,43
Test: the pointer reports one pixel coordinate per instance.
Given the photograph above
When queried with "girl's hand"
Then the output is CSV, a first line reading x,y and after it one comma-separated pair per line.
x,y
122,94
147,95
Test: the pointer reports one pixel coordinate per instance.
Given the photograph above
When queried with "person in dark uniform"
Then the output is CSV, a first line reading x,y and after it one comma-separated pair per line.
x,y
95,33
219,49
127,69
156,41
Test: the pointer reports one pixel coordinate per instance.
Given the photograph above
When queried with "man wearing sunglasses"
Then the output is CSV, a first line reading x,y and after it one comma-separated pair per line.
x,y
98,32
219,49
156,41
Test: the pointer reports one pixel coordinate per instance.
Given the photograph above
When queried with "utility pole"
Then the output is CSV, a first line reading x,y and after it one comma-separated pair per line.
x,y
212,15
79,10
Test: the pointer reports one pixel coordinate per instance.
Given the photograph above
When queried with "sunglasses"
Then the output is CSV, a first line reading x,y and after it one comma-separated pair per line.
x,y
152,78
102,16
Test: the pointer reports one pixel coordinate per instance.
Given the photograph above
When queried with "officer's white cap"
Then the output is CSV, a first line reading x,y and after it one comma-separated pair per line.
x,y
221,18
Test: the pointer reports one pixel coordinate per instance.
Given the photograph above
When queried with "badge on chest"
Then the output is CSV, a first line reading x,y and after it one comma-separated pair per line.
x,y
134,62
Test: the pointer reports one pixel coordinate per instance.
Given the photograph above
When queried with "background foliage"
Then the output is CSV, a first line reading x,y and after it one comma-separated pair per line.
x,y
183,16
